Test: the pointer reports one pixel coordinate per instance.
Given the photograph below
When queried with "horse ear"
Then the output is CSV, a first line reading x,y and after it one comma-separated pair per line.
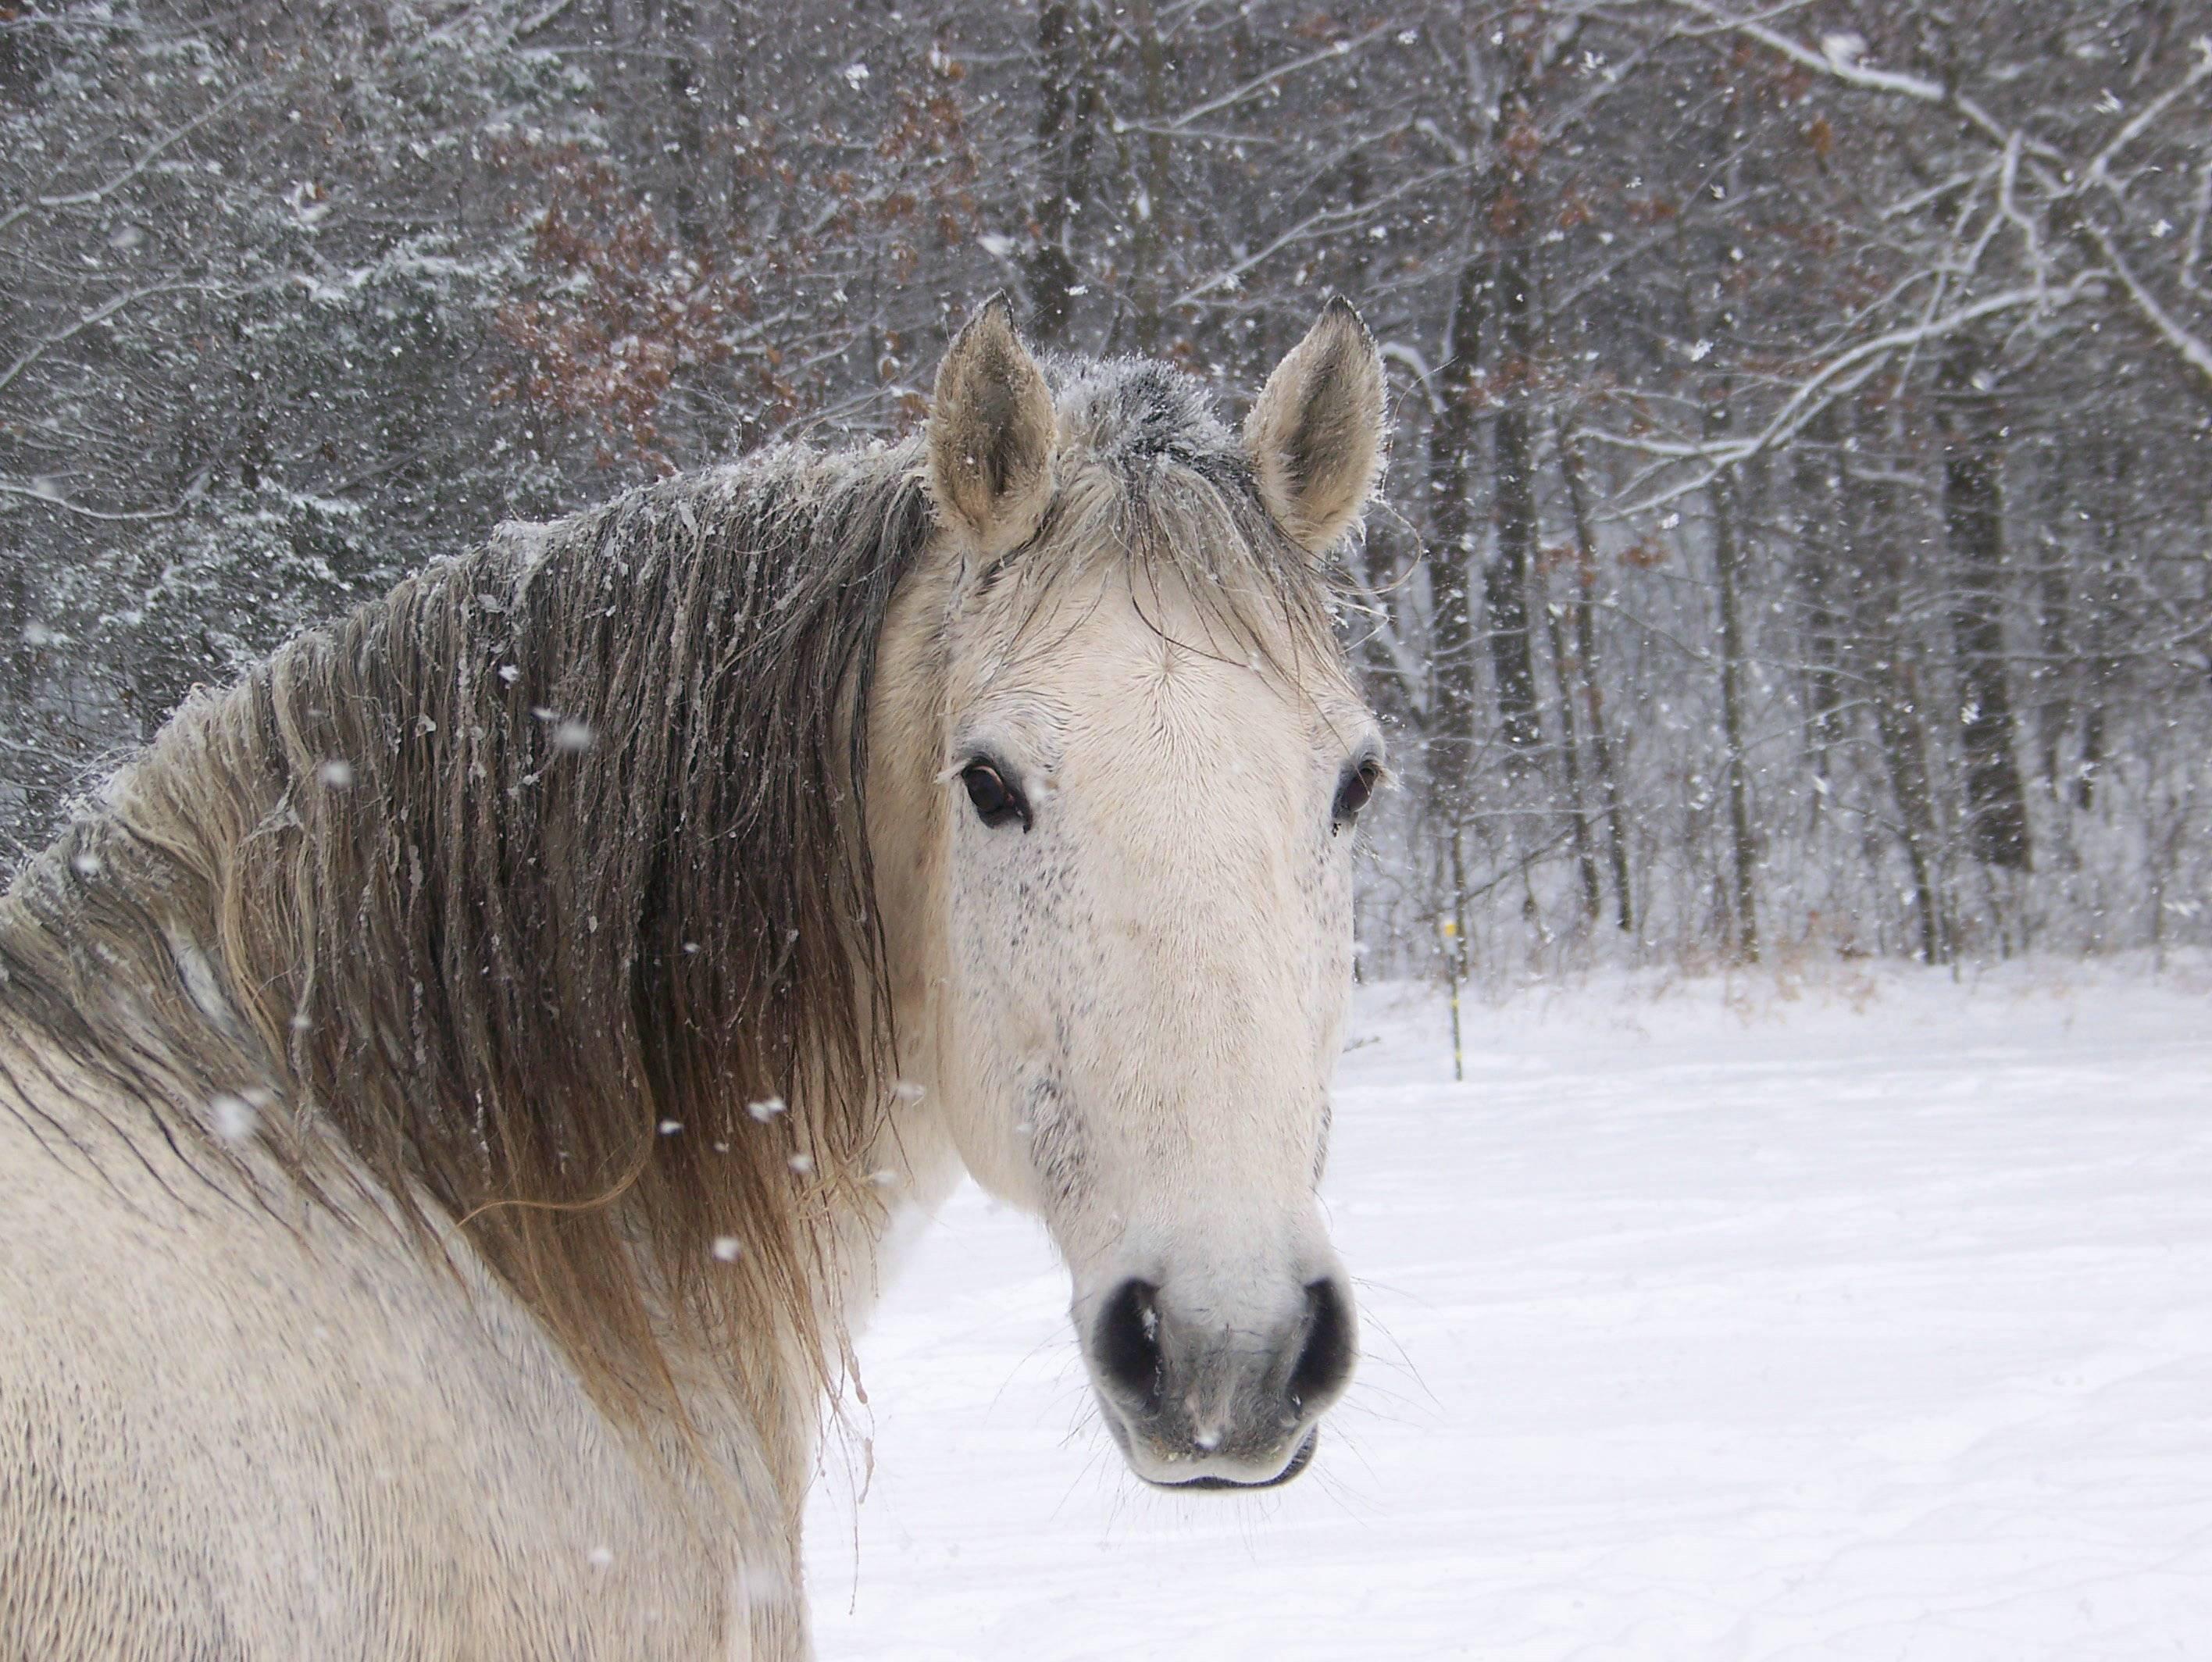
x,y
991,432
1315,434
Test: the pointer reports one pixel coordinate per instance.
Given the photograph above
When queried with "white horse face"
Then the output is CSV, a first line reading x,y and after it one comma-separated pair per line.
x,y
1144,912
1148,910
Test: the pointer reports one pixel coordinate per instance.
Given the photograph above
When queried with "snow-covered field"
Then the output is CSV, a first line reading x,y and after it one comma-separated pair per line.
x,y
1867,1318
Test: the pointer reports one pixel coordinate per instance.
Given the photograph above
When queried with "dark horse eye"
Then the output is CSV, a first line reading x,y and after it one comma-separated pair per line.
x,y
1353,792
997,803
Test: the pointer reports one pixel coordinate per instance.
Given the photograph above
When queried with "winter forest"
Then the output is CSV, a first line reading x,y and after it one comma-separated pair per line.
x,y
1798,531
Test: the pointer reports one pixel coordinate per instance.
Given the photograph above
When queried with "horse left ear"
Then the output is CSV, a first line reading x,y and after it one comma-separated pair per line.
x,y
991,432
1315,434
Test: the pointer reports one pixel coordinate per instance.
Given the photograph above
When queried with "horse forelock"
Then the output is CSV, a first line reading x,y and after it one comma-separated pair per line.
x,y
540,887
1154,485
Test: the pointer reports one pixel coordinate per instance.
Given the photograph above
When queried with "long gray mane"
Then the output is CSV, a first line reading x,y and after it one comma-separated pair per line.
x,y
522,889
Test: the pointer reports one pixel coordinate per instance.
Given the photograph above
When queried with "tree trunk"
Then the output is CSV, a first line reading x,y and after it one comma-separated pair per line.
x,y
686,100
1904,758
2054,710
1452,743
2105,621
1505,579
1882,657
1151,182
1578,826
1973,519
1067,127
1817,486
1586,666
1742,845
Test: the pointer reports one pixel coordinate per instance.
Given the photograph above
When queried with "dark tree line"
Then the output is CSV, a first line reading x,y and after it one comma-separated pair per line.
x,y
1797,529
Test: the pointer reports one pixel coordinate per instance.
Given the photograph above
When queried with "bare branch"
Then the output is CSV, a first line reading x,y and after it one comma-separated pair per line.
x,y
151,153
1418,365
1832,380
1405,665
1320,222
2192,251
2194,349
1851,73
1260,83
2097,172
49,499
99,314
1936,193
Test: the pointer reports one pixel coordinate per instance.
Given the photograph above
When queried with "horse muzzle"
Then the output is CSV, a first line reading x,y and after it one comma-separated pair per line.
x,y
1197,1398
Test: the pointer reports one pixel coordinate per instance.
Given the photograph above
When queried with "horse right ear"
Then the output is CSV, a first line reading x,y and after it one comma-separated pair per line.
x,y
991,433
1315,432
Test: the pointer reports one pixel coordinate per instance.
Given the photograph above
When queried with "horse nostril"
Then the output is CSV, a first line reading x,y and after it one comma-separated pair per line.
x,y
1324,1363
1127,1342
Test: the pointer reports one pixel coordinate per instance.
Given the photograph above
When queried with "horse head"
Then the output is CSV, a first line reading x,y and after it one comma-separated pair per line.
x,y
1115,758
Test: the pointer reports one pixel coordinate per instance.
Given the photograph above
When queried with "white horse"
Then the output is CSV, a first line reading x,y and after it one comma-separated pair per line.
x,y
456,1086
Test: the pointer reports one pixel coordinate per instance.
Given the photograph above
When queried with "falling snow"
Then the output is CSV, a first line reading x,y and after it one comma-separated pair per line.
x,y
231,1117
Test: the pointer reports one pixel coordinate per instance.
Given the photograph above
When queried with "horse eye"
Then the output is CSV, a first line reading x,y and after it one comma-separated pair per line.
x,y
1353,792
997,803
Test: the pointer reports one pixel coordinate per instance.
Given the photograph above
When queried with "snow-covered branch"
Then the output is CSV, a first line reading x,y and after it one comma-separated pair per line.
x,y
99,314
1274,77
1323,222
1842,374
2192,349
2097,173
1406,666
47,497
99,193
1839,62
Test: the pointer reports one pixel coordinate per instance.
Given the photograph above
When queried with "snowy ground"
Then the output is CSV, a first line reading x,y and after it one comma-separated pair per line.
x,y
1866,1319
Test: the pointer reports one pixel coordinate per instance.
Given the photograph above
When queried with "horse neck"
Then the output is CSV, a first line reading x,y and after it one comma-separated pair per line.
x,y
525,885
